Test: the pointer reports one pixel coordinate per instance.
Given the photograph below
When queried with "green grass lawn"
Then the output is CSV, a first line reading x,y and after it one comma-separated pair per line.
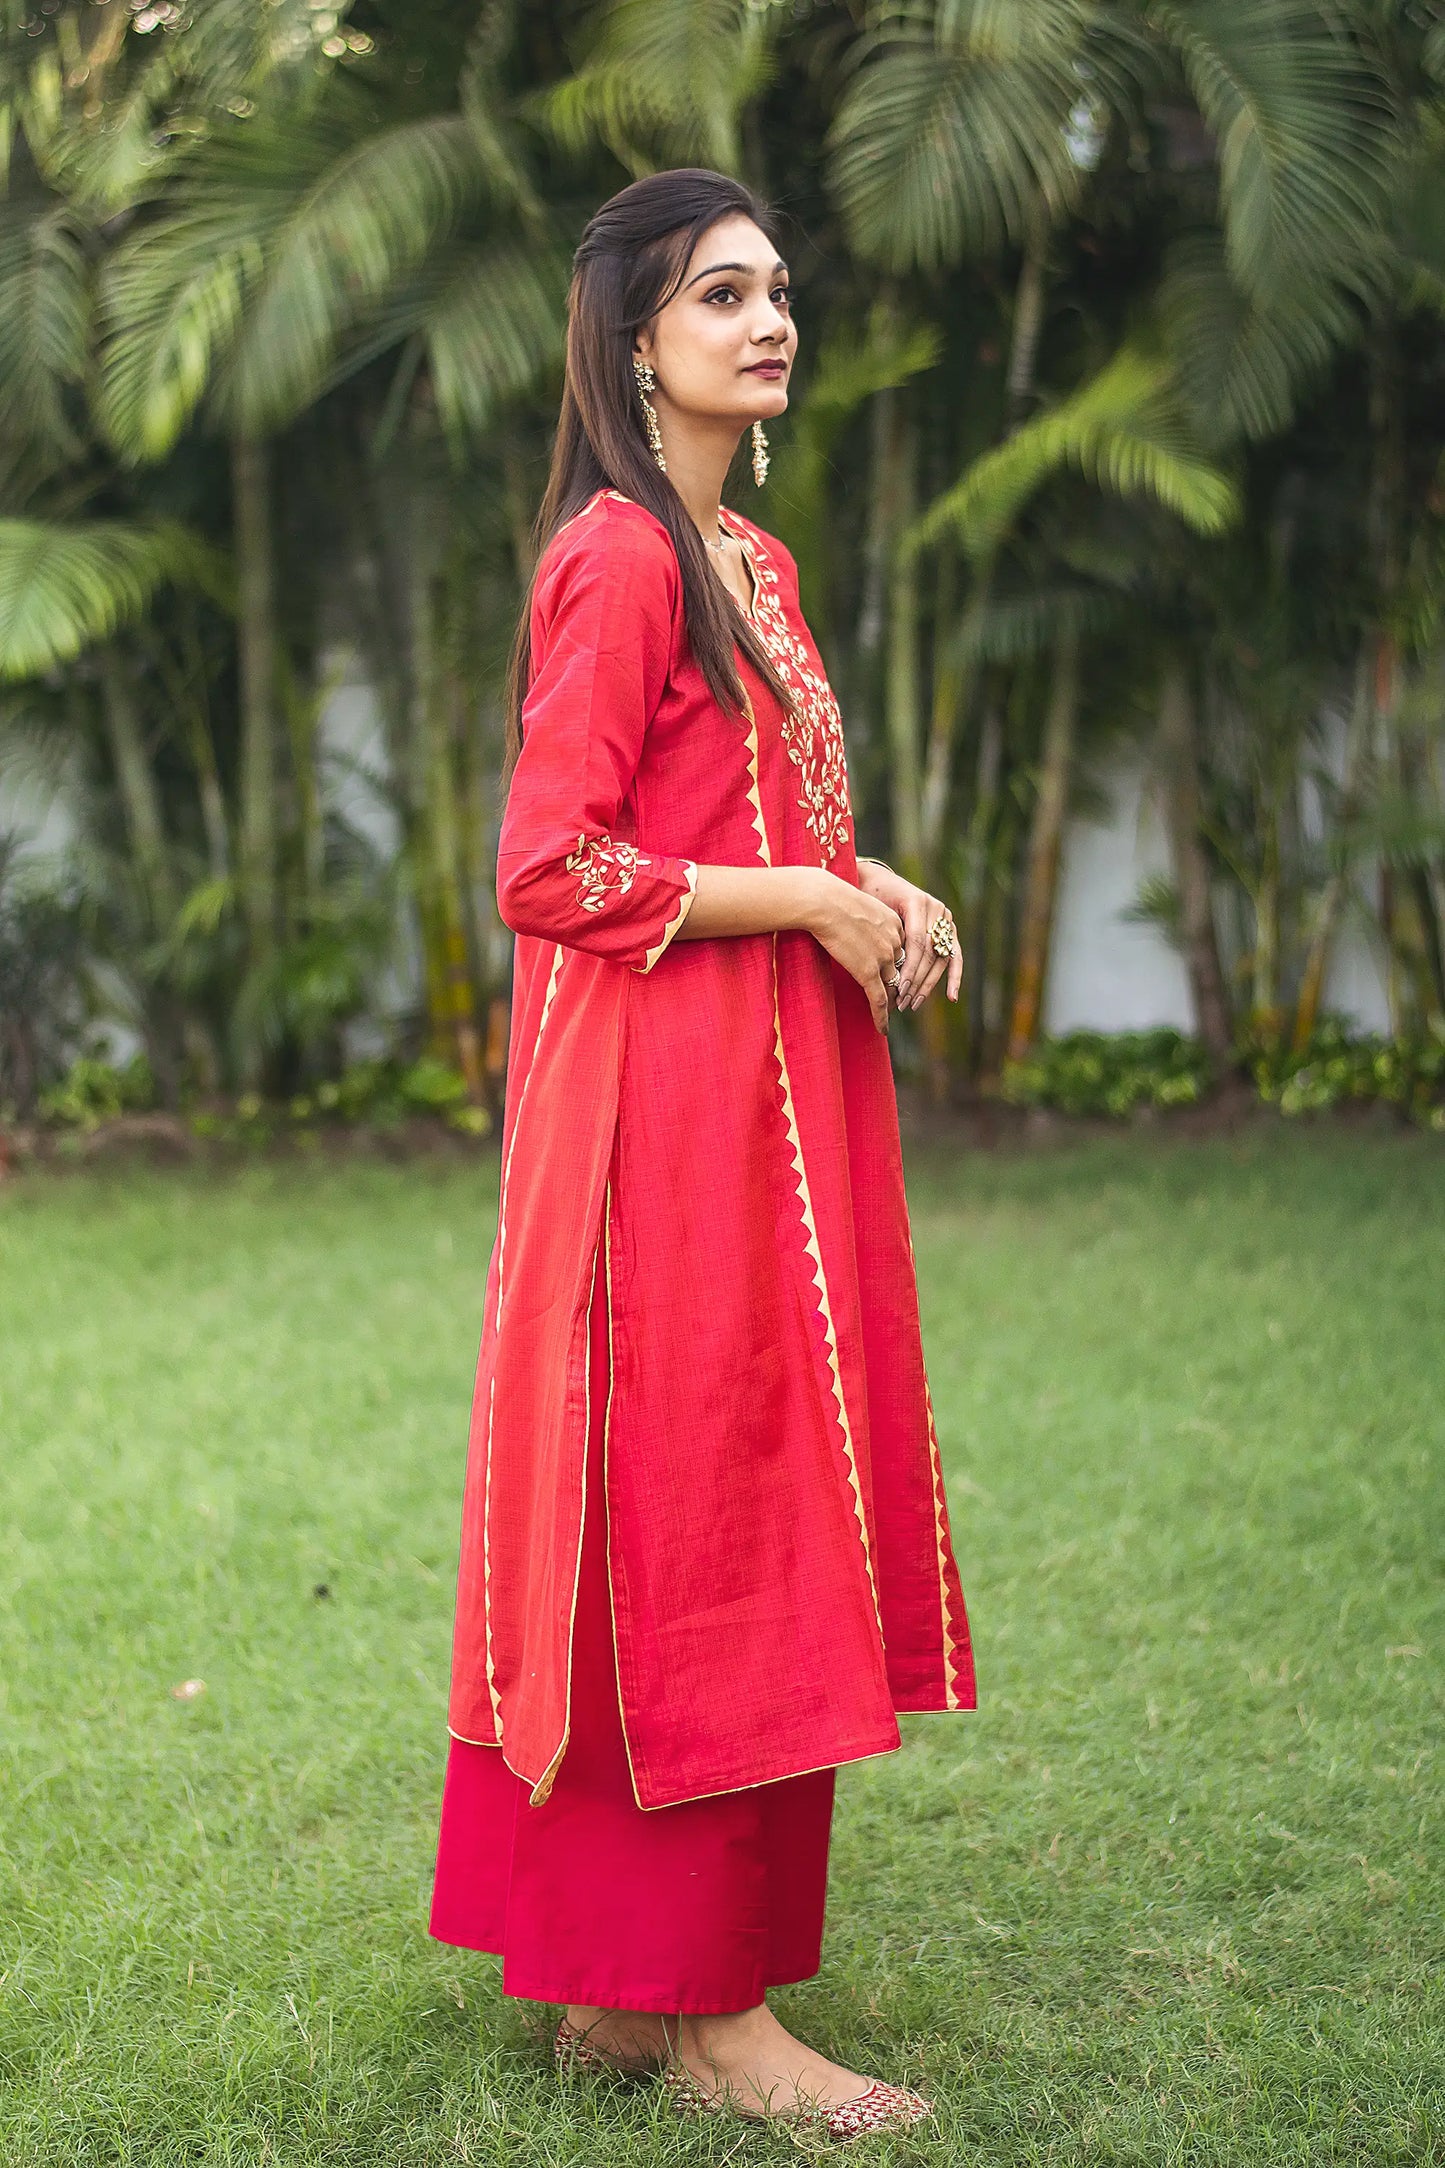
x,y
1171,1895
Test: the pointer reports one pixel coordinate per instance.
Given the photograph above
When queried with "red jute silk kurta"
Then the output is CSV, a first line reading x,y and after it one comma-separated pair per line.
x,y
719,1117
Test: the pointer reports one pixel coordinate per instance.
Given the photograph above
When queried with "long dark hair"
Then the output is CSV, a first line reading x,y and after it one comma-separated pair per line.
x,y
629,264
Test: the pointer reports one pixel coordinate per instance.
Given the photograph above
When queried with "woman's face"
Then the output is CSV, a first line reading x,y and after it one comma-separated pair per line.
x,y
723,346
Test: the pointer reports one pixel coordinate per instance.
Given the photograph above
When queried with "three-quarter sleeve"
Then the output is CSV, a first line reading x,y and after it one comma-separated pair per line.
x,y
602,631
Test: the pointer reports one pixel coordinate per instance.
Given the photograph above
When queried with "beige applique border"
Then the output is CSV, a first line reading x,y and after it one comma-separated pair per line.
x,y
813,731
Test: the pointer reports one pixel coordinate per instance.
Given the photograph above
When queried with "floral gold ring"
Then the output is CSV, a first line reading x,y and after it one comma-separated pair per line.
x,y
941,934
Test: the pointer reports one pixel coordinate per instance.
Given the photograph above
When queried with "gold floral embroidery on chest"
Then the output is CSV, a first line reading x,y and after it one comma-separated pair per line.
x,y
813,732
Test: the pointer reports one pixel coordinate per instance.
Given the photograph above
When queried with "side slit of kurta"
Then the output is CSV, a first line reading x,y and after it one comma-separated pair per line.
x,y
607,1500
547,1000
543,1787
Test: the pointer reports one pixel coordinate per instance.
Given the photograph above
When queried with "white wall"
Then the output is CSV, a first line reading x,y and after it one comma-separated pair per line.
x,y
1108,975
353,752
1355,980
1105,974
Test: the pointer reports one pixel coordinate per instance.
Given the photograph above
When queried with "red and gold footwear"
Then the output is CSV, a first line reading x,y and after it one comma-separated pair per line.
x,y
882,2107
879,2108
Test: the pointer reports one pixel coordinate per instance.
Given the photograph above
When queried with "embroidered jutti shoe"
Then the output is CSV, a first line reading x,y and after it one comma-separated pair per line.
x,y
877,2109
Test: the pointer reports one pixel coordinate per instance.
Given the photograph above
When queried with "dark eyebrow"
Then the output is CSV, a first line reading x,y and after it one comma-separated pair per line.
x,y
713,269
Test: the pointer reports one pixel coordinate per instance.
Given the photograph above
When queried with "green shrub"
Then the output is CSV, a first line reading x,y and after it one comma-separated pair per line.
x,y
431,1087
1336,1067
1103,1072
1113,1073
93,1091
379,1094
386,1092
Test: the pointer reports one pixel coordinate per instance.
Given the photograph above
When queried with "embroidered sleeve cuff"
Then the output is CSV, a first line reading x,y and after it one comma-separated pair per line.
x,y
684,905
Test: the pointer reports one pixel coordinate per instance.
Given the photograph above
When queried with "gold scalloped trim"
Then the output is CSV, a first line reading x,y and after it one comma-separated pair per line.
x,y
754,798
940,1535
805,1195
684,905
542,1789
939,1496
496,1330
820,1282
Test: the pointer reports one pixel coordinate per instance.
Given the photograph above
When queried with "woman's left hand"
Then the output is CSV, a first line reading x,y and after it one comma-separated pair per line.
x,y
922,966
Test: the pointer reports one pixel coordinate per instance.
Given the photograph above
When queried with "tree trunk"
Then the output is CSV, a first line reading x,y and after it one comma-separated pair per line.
x,y
1030,296
1394,966
1430,937
952,711
167,1027
136,784
436,720
859,692
1434,871
998,944
1384,532
213,800
451,907
256,642
1332,896
491,940
521,513
901,692
303,708
972,930
1185,802
882,482
1046,835
1264,977
957,683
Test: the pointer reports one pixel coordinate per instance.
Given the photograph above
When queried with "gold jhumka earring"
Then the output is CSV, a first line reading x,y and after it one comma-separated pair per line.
x,y
760,454
646,380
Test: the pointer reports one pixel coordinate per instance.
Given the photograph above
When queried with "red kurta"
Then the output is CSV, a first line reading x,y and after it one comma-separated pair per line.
x,y
719,1116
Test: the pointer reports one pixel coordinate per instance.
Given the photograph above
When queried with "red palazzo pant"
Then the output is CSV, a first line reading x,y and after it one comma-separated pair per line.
x,y
590,1899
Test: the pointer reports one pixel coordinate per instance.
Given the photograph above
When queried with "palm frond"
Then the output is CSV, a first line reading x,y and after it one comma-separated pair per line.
x,y
1011,628
1419,224
1242,360
1124,431
231,47
892,350
496,139
103,166
1405,833
494,326
172,301
955,121
1157,902
1308,140
362,229
672,74
45,307
64,588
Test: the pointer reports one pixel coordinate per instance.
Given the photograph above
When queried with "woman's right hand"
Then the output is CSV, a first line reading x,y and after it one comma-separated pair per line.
x,y
860,933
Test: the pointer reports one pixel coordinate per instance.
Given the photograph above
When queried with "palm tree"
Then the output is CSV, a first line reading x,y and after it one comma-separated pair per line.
x,y
1126,431
1084,284
968,129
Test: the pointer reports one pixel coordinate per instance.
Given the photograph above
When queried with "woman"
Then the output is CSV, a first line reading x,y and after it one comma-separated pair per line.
x,y
705,1552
